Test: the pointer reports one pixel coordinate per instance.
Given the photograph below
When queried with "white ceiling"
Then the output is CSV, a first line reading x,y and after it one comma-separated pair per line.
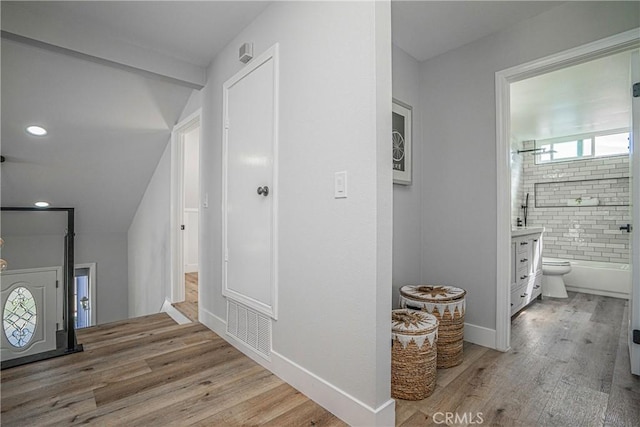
x,y
425,29
589,97
192,31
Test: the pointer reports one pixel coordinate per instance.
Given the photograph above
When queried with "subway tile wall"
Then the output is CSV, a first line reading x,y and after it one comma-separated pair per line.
x,y
579,232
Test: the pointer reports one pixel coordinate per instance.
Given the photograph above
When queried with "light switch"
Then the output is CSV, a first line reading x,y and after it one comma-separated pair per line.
x,y
340,187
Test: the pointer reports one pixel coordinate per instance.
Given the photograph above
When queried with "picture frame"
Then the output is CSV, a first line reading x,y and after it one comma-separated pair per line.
x,y
401,138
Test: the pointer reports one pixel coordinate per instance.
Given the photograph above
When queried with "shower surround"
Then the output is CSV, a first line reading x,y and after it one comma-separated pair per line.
x,y
559,195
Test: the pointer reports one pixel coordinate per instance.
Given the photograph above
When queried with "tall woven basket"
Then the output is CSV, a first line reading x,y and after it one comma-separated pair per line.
x,y
413,354
447,304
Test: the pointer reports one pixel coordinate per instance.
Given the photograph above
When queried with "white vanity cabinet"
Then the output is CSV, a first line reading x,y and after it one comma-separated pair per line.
x,y
526,267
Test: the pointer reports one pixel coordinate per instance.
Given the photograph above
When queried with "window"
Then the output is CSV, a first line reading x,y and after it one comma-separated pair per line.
x,y
599,145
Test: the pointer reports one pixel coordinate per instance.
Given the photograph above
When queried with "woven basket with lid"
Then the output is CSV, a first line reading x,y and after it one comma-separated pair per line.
x,y
447,303
413,354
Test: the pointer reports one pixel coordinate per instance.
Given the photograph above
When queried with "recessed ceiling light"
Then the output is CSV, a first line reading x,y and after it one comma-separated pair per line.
x,y
36,130
42,204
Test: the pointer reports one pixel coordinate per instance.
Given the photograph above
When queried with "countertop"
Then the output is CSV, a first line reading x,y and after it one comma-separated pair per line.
x,y
523,231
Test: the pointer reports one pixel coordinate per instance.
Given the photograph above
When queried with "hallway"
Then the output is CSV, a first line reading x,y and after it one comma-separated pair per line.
x,y
189,307
151,371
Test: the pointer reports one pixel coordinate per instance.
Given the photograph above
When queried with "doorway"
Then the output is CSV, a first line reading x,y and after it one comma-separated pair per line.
x,y
185,215
622,42
84,295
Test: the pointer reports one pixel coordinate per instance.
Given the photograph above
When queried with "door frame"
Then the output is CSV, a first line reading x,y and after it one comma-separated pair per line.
x,y
634,302
91,266
618,43
177,202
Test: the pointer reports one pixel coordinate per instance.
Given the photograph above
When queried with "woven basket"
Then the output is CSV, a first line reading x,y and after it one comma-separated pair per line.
x,y
413,354
448,305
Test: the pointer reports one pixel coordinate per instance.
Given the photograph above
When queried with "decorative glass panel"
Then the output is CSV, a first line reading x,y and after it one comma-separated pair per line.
x,y
20,317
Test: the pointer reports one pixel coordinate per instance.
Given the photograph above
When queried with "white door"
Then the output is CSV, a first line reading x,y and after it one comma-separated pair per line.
x,y
249,184
191,198
634,300
190,251
29,312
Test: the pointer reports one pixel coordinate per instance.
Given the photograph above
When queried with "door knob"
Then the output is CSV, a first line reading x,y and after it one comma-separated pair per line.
x,y
263,191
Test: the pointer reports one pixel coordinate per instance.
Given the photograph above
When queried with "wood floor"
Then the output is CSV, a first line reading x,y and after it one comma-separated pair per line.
x,y
568,366
149,371
189,307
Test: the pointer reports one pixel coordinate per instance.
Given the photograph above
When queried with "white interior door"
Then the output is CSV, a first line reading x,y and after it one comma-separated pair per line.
x,y
634,300
191,199
190,252
249,184
29,312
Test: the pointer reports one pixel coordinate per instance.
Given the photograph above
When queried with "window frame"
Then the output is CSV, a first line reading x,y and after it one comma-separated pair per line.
x,y
580,139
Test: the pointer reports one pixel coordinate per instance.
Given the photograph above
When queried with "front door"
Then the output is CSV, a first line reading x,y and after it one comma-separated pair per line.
x,y
249,184
29,312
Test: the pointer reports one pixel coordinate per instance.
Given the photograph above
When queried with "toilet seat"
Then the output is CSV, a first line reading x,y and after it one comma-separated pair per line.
x,y
555,263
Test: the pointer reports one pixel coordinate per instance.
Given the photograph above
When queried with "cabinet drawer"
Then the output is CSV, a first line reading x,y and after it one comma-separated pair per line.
x,y
522,247
517,299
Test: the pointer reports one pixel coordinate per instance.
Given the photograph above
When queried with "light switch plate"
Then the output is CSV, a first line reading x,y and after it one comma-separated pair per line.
x,y
340,185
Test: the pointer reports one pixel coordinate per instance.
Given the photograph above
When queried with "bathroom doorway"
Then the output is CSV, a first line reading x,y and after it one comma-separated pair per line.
x,y
504,79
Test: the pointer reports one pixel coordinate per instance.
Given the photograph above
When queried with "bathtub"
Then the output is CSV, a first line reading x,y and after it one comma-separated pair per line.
x,y
599,278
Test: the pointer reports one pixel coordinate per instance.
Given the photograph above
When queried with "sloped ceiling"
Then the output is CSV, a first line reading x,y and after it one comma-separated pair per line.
x,y
107,131
108,127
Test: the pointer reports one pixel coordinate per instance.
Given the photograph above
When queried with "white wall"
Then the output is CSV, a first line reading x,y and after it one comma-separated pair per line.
x,y
45,249
333,330
109,252
457,92
407,199
149,250
191,169
148,238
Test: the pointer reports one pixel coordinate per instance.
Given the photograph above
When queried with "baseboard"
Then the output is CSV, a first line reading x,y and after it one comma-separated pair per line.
x,y
480,335
622,295
213,322
335,400
180,318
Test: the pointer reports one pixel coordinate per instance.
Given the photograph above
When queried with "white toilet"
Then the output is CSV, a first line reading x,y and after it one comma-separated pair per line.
x,y
553,271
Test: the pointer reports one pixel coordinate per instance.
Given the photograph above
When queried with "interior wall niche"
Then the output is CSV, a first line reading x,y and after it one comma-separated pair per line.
x,y
582,193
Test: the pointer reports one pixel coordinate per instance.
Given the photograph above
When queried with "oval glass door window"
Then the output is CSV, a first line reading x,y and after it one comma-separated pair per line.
x,y
19,318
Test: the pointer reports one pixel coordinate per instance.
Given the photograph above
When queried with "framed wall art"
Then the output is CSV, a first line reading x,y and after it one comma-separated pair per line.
x,y
401,139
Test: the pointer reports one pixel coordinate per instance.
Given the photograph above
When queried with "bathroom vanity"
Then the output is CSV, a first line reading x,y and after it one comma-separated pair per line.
x,y
526,266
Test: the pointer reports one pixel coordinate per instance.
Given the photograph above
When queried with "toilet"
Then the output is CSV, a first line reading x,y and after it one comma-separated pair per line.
x,y
553,271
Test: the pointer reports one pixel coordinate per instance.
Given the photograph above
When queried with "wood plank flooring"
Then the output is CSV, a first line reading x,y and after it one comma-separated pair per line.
x,y
189,307
149,371
568,366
